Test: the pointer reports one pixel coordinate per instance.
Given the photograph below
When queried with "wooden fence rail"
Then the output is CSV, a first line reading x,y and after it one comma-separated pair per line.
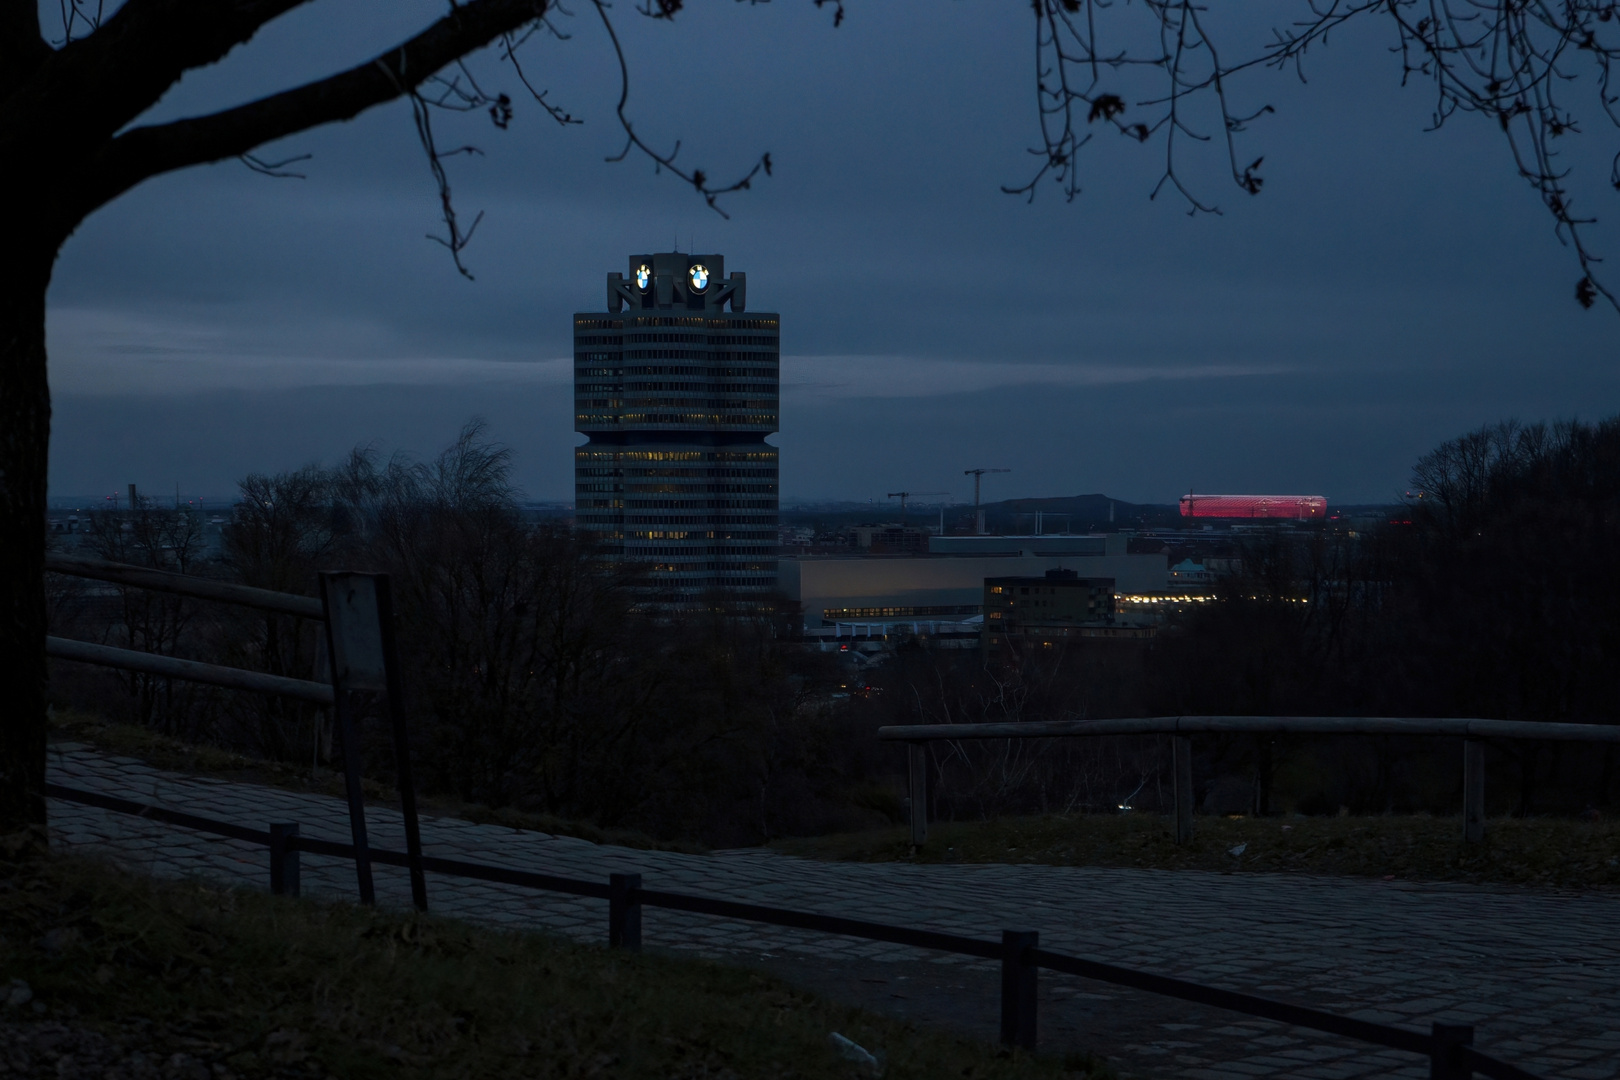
x,y
1473,733
357,615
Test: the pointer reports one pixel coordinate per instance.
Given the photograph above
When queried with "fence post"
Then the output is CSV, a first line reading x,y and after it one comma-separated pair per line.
x,y
283,859
1181,764
917,755
1473,791
1444,1061
402,741
1018,988
624,912
354,649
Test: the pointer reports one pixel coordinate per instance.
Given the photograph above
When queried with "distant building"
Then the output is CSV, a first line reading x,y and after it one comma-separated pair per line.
x,y
1043,611
831,589
1190,573
1266,507
676,395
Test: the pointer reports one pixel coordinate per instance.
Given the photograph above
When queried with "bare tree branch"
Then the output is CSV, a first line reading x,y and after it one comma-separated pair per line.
x,y
1508,60
93,86
277,169
150,150
696,177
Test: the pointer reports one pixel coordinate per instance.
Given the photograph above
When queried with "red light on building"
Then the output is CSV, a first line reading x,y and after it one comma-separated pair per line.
x,y
1263,507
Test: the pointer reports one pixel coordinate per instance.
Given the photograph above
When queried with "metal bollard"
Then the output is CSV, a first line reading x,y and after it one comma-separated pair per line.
x,y
624,912
1445,1063
1473,791
283,859
1018,973
917,776
1181,769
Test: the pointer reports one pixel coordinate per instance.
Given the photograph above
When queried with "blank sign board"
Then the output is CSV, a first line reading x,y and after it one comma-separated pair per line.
x,y
357,644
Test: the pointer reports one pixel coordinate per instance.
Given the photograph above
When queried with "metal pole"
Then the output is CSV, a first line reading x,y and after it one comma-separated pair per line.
x,y
283,860
624,912
917,760
1473,791
349,743
1444,1061
402,743
1018,973
1181,764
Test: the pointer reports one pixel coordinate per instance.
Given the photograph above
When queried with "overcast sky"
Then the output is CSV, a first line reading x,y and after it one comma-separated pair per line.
x,y
1389,288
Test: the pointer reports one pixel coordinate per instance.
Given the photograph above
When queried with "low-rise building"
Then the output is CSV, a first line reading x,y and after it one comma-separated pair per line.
x,y
832,589
1056,608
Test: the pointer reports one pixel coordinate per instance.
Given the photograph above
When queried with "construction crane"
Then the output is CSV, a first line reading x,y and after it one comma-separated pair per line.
x,y
978,514
904,495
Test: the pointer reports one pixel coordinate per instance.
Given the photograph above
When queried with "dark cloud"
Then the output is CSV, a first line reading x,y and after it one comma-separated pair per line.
x,y
1388,289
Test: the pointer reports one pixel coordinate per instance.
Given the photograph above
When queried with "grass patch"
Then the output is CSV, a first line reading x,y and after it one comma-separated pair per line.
x,y
218,983
1531,851
175,755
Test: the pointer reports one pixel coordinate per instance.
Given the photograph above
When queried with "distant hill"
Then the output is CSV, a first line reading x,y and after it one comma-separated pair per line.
x,y
1076,513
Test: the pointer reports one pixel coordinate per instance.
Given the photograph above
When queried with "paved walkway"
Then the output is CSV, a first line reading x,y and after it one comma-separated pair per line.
x,y
1537,972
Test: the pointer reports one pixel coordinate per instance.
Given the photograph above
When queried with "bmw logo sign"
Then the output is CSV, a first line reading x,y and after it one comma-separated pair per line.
x,y
699,276
643,276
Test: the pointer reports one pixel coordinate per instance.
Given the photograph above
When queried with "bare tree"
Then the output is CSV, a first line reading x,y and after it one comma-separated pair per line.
x,y
1514,63
71,143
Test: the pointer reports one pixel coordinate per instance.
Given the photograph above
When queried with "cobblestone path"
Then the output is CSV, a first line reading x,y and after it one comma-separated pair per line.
x,y
1537,972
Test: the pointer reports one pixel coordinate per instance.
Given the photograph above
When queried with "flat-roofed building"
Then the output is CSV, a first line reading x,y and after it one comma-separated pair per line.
x,y
1058,607
831,589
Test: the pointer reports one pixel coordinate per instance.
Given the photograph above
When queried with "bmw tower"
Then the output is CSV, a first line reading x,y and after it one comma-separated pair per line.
x,y
676,394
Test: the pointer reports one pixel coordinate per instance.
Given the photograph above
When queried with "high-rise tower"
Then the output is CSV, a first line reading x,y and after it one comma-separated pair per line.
x,y
677,395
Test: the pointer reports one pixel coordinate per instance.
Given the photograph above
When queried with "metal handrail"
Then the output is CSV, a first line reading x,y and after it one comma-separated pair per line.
x,y
356,610
1275,725
1452,1059
191,670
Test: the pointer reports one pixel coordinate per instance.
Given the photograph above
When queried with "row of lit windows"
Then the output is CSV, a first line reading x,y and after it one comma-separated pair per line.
x,y
666,354
763,386
711,551
675,419
765,369
591,454
710,473
666,320
924,611
723,582
695,489
697,474
586,322
693,534
643,402
698,418
742,324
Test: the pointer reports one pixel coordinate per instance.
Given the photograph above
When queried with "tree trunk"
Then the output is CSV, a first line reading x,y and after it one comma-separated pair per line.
x,y
25,436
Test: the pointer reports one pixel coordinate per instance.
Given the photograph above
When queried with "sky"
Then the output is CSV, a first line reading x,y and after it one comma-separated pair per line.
x,y
1389,288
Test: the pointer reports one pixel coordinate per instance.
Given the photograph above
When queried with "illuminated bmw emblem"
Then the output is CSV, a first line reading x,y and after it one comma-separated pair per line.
x,y
643,276
699,275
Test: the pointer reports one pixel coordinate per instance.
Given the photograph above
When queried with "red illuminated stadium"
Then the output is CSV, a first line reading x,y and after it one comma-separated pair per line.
x,y
1272,507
